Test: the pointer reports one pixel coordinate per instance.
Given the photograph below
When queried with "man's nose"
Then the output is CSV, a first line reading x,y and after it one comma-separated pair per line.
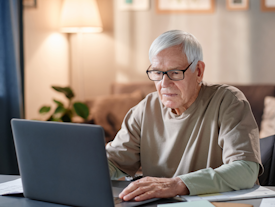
x,y
165,80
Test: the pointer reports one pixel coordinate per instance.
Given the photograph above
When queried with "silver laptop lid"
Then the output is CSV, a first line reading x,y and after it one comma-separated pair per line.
x,y
63,162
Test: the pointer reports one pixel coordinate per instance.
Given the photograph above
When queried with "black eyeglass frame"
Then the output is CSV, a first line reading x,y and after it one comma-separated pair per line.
x,y
166,72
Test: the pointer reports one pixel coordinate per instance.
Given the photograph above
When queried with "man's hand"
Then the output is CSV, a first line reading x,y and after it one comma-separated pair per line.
x,y
151,187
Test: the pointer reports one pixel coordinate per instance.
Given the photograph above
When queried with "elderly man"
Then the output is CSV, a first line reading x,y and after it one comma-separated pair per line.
x,y
189,137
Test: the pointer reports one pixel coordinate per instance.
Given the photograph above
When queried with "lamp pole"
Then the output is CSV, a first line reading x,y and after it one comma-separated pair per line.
x,y
80,16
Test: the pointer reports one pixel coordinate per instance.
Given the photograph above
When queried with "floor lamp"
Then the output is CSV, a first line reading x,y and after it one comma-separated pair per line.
x,y
80,16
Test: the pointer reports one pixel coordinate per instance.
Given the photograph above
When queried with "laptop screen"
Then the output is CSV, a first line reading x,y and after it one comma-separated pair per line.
x,y
63,162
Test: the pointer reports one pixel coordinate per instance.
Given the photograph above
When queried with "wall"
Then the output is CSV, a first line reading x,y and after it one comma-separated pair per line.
x,y
238,47
85,62
92,57
46,56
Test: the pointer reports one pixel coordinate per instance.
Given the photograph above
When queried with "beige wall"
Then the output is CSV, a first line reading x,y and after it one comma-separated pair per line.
x,y
238,47
92,57
46,56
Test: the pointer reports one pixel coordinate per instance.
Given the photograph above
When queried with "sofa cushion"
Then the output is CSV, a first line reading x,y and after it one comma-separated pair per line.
x,y
109,111
268,121
144,87
256,94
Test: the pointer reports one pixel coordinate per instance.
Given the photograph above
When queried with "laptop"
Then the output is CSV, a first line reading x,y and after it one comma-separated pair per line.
x,y
65,163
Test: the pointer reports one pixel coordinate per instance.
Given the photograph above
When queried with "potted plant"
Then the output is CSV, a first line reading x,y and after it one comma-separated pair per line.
x,y
64,113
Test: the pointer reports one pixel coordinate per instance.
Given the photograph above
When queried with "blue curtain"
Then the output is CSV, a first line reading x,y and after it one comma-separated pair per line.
x,y
11,80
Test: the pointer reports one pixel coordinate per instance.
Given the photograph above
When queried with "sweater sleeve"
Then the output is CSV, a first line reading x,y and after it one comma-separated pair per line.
x,y
115,173
228,177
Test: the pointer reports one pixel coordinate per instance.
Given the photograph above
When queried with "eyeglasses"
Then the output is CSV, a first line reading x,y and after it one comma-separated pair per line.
x,y
175,75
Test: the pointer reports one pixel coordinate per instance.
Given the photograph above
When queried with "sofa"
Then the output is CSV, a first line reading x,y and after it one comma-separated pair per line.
x,y
109,111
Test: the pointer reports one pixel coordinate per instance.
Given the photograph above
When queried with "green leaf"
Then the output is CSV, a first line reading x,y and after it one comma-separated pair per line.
x,y
56,119
67,91
69,112
58,103
59,109
66,118
53,118
81,110
44,109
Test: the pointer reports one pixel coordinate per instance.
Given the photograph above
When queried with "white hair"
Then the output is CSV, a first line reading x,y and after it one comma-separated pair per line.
x,y
190,46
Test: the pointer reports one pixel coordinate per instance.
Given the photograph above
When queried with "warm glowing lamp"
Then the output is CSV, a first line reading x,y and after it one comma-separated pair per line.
x,y
80,16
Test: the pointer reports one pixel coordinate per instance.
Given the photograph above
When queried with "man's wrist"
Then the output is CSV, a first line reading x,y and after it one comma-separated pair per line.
x,y
181,188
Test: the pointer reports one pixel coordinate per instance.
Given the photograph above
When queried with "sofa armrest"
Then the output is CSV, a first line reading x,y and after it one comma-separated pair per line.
x,y
144,87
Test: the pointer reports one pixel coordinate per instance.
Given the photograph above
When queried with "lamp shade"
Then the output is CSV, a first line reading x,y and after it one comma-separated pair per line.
x,y
80,16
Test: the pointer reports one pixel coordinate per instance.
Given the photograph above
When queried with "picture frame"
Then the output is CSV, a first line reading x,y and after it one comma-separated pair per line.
x,y
133,5
268,5
185,6
29,3
237,4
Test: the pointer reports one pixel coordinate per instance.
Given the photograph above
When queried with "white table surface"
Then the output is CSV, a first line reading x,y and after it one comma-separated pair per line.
x,y
13,201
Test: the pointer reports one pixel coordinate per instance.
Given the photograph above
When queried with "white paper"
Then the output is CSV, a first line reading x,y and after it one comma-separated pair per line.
x,y
268,202
255,192
11,187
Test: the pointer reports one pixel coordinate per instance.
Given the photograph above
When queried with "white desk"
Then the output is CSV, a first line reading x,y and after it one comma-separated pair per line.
x,y
13,201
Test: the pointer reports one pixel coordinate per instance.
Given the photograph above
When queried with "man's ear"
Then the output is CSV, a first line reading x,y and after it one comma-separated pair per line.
x,y
200,71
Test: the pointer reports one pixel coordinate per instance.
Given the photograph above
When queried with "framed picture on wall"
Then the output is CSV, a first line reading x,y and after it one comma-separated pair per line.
x,y
185,6
237,4
268,5
133,5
